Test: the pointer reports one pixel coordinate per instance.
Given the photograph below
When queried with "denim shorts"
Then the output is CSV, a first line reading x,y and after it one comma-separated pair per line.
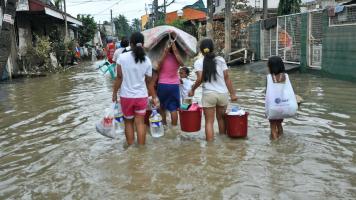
x,y
169,96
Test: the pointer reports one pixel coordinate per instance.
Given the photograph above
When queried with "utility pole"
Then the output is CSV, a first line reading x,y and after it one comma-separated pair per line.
x,y
155,7
265,9
65,21
209,20
112,24
164,6
227,28
6,34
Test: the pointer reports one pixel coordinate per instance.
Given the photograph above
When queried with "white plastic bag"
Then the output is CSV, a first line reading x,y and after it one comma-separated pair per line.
x,y
106,126
280,99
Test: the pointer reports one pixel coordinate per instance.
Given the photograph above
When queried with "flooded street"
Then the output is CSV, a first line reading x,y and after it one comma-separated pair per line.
x,y
49,148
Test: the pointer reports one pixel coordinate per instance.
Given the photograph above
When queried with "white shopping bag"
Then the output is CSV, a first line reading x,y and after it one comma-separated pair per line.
x,y
280,99
106,126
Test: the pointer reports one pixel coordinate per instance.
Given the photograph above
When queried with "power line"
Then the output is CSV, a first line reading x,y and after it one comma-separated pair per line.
x,y
108,8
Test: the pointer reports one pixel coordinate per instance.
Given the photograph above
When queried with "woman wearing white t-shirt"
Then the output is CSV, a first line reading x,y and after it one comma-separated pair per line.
x,y
134,70
212,71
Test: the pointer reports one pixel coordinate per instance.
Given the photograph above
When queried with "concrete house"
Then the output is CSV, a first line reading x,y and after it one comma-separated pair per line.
x,y
35,17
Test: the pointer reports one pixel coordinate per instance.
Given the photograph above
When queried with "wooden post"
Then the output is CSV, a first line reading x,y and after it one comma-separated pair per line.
x,y
209,20
227,28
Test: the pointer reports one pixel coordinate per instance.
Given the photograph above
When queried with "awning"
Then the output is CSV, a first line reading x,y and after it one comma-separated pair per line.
x,y
59,15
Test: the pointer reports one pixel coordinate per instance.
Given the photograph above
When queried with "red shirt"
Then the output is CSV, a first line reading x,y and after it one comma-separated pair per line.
x,y
110,51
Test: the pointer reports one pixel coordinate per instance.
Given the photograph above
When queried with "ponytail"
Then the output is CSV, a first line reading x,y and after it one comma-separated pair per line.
x,y
137,40
209,62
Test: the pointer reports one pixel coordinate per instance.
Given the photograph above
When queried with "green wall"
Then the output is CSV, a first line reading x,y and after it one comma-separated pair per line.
x,y
339,50
254,39
304,43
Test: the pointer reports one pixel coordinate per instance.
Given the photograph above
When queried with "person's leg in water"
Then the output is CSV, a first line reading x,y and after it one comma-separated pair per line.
x,y
141,129
174,118
129,131
274,129
220,117
280,128
162,112
209,114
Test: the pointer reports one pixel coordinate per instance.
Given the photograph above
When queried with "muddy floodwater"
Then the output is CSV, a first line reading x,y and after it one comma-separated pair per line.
x,y
49,148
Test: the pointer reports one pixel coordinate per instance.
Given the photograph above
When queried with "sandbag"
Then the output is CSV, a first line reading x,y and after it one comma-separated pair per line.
x,y
280,99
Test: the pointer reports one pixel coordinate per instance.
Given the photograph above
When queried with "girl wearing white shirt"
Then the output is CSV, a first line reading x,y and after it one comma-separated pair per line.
x,y
212,72
134,70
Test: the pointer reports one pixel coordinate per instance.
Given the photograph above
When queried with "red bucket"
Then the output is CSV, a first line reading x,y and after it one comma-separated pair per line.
x,y
147,117
190,121
236,126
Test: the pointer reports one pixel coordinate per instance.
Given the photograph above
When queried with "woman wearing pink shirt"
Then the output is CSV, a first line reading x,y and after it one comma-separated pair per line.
x,y
167,76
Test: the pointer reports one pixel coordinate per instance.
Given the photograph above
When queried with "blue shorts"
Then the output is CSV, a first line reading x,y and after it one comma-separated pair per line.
x,y
169,96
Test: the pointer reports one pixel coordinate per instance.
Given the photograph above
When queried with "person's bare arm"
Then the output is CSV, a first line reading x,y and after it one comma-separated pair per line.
x,y
176,54
197,83
117,83
151,84
229,86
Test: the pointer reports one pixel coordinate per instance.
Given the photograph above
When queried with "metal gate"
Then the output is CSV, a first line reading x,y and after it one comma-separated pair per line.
x,y
315,38
289,43
269,42
283,40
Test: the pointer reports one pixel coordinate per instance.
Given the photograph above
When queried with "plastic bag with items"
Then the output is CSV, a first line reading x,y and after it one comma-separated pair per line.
x,y
109,126
280,99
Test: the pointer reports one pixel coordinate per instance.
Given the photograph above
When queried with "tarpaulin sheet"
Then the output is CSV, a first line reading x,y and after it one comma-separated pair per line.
x,y
158,38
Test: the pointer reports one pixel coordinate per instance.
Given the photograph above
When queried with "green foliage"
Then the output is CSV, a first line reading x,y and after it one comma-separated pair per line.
x,y
286,7
136,25
57,3
160,22
122,26
87,31
38,55
178,23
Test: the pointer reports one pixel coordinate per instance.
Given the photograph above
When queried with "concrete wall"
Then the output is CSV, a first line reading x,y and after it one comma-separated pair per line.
x,y
339,50
24,31
219,6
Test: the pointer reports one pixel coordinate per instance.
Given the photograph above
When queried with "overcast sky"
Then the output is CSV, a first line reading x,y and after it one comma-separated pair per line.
x,y
100,9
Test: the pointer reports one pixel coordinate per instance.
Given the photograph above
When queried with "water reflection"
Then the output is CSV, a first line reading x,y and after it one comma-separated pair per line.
x,y
49,148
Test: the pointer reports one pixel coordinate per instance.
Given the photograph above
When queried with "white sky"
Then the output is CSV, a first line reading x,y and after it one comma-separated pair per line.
x,y
100,9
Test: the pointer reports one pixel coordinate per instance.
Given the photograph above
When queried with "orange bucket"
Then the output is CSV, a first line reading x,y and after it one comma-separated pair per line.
x,y
190,121
237,126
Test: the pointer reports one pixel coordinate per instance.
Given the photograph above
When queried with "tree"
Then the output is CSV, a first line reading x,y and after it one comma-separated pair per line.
x,y
122,26
136,25
286,7
87,31
178,23
57,3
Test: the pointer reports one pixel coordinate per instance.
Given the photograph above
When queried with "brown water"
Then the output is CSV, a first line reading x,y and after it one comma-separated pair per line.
x,y
49,148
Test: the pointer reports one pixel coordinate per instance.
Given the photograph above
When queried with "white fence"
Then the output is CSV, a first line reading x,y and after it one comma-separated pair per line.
x,y
283,39
315,36
343,17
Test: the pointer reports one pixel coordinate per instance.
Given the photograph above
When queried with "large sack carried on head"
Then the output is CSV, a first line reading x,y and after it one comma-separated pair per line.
x,y
158,38
280,99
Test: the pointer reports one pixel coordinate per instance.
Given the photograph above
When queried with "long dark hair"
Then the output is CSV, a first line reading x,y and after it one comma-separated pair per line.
x,y
136,41
209,63
124,42
275,65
